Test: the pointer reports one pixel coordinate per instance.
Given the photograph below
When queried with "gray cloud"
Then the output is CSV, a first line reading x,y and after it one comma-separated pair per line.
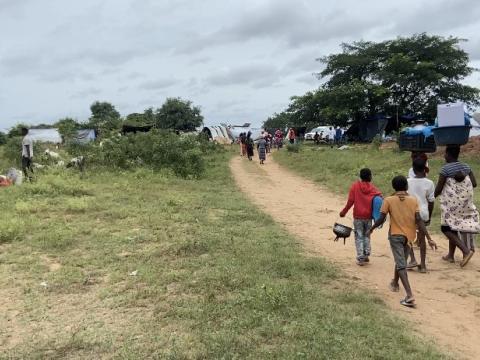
x,y
437,16
93,91
158,84
255,75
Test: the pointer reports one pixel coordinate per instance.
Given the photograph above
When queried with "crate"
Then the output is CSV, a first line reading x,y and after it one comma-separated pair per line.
x,y
451,135
417,142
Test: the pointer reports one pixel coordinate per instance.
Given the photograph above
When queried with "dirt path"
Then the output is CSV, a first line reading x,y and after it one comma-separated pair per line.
x,y
448,297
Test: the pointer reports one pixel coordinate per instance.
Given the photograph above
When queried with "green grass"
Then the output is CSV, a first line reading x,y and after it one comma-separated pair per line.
x,y
216,277
337,169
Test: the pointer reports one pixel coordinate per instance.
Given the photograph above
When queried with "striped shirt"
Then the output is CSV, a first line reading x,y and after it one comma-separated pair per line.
x,y
450,169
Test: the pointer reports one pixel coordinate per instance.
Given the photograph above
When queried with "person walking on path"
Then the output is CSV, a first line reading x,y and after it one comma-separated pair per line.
x,y
291,136
423,190
249,145
262,149
459,214
243,146
27,154
404,220
360,196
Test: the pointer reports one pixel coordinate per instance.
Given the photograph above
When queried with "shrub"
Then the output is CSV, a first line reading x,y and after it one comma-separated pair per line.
x,y
295,148
184,155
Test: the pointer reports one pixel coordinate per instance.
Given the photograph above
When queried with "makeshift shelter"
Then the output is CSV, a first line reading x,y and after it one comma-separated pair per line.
x,y
218,134
45,135
134,129
366,129
84,136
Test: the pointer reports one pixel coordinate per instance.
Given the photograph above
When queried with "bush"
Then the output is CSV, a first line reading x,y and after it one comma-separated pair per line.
x,y
184,155
295,148
13,151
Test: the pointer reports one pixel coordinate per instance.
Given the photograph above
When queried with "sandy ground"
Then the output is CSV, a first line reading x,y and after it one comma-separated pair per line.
x,y
448,297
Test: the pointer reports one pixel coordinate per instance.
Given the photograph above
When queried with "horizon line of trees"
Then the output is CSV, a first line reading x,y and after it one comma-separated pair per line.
x,y
394,78
175,114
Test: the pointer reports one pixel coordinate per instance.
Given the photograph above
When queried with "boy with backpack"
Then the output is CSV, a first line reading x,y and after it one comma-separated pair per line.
x,y
360,196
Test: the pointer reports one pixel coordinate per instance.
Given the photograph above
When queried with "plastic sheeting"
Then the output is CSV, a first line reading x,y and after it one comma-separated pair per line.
x,y
45,135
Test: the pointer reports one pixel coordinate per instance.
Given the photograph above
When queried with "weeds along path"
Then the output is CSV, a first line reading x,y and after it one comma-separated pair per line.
x,y
448,297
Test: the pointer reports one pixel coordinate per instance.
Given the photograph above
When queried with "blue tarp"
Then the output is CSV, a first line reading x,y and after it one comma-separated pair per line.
x,y
425,130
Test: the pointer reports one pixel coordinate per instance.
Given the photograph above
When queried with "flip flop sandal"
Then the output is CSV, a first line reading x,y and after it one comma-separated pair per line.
x,y
466,259
408,302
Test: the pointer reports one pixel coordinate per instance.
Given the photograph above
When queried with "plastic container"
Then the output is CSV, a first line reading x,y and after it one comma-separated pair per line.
x,y
451,135
417,142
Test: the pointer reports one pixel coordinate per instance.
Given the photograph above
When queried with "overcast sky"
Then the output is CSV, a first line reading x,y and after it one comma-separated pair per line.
x,y
240,61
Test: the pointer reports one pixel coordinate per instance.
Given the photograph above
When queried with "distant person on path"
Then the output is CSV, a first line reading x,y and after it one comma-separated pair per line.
x,y
404,220
423,189
316,138
262,149
291,136
243,144
459,214
338,135
278,138
249,145
360,197
27,154
331,136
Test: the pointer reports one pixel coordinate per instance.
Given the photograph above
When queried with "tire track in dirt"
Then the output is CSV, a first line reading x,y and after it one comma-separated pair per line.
x,y
448,297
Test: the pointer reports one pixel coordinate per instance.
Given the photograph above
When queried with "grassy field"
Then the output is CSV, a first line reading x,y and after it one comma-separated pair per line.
x,y
144,265
337,169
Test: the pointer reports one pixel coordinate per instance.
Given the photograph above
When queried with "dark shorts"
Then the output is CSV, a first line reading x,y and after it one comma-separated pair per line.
x,y
400,250
446,228
26,162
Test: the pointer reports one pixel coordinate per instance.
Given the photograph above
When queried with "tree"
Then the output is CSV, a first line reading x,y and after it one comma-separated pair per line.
x,y
178,114
141,119
403,76
278,121
3,138
104,117
16,130
67,127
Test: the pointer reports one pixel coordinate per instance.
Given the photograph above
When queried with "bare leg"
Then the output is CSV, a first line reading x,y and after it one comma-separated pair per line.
x,y
413,260
455,241
402,274
423,249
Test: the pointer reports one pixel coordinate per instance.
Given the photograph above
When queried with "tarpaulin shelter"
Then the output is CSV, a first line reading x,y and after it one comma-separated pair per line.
x,y
84,136
45,135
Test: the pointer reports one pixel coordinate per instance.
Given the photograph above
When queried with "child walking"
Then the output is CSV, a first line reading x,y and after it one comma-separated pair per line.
x,y
404,220
360,197
423,189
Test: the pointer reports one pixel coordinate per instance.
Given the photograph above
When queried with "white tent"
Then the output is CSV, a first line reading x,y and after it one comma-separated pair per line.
x,y
45,135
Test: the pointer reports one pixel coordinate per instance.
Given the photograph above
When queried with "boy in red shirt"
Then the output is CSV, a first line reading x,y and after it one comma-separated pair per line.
x,y
360,197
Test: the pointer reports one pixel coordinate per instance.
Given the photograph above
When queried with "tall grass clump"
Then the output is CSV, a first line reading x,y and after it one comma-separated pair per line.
x,y
183,155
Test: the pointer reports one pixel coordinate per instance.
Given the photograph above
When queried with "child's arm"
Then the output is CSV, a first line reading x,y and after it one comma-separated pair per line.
x,y
377,223
350,202
421,226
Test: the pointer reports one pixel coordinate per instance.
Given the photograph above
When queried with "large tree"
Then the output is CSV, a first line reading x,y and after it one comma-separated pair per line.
x,y
104,117
408,75
178,114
